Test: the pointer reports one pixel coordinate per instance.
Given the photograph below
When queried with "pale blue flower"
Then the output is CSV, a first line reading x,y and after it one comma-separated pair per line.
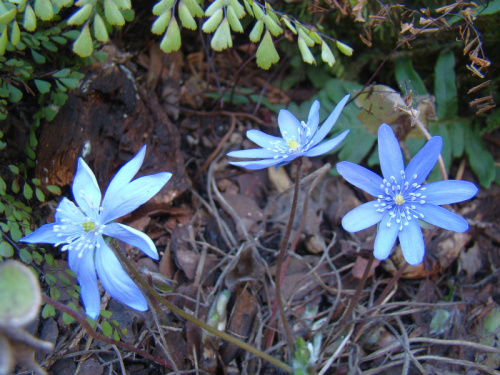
x,y
80,229
297,139
402,200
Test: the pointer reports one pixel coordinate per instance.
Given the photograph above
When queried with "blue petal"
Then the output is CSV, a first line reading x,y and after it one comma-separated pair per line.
x,y
362,217
133,237
44,234
449,191
424,161
329,122
289,125
391,159
360,177
131,196
84,271
115,280
326,146
386,238
257,153
257,164
265,140
443,218
85,190
67,210
123,177
313,119
412,243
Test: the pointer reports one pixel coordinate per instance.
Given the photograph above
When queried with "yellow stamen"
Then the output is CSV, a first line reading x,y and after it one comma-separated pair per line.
x,y
88,226
399,200
292,144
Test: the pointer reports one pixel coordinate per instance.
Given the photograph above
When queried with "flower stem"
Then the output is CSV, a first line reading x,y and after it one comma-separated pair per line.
x,y
98,336
281,255
354,300
192,319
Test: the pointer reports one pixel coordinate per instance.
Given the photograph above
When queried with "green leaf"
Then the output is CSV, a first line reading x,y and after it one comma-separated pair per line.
x,y
161,23
266,52
81,15
6,250
162,6
327,54
256,32
37,257
113,14
303,34
106,314
42,86
25,255
100,32
344,48
234,22
70,83
213,22
480,159
48,311
306,53
29,22
39,59
8,16
222,37
44,9
14,93
289,24
55,293
27,191
272,25
185,16
39,195
407,76
445,88
68,319
14,169
83,46
194,8
215,7
53,189
457,136
3,41
15,33
172,39
238,9
107,329
123,4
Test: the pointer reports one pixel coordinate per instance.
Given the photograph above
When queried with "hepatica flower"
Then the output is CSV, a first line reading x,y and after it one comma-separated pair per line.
x,y
402,200
298,138
79,229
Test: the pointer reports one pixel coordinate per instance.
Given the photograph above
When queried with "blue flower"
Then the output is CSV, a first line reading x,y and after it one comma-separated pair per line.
x,y
80,229
402,200
297,139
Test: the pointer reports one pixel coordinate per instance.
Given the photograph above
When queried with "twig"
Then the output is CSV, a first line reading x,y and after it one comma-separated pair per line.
x,y
98,336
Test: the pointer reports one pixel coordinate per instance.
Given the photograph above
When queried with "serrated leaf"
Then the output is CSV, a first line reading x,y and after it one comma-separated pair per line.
x,y
194,8
327,54
248,7
344,48
270,11
8,16
161,23
306,53
42,86
113,14
445,88
186,18
315,36
266,52
172,39
44,9
233,20
81,15
213,22
40,195
257,10
162,7
27,191
83,46
100,32
303,34
6,250
214,7
3,41
222,37
239,10
29,22
107,330
272,26
123,4
256,32
289,24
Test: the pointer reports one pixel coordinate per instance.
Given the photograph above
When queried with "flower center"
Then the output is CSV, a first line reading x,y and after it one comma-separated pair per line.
x,y
401,198
292,144
88,226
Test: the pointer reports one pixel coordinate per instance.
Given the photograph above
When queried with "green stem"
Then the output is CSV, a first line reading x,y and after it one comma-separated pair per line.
x,y
281,256
192,319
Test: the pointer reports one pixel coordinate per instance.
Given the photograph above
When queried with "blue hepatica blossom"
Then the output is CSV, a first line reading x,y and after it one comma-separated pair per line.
x,y
402,200
297,139
80,229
